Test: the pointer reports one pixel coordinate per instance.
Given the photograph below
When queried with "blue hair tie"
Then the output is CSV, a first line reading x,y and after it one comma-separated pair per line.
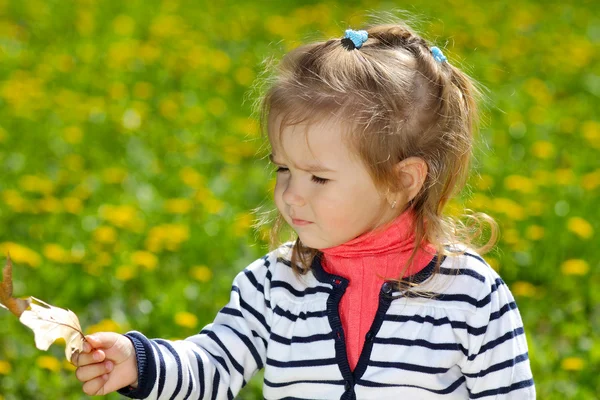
x,y
356,38
438,55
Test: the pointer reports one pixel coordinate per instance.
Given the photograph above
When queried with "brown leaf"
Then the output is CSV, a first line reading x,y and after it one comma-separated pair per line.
x,y
47,322
50,323
15,306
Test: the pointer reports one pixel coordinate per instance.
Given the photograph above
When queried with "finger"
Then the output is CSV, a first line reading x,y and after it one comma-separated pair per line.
x,y
89,372
102,339
95,387
90,358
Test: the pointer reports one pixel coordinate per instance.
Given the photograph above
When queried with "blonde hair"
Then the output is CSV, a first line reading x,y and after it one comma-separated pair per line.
x,y
399,102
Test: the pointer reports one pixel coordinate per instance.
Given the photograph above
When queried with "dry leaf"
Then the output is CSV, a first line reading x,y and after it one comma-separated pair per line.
x,y
47,322
15,306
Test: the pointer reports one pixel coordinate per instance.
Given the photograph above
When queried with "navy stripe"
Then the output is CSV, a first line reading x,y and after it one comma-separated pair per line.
x,y
302,315
201,375
232,360
462,271
436,322
500,366
300,293
302,339
249,346
162,369
421,343
315,362
286,383
251,310
215,385
179,366
498,341
503,390
190,385
456,384
408,367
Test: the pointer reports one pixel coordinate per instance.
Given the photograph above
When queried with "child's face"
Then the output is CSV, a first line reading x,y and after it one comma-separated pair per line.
x,y
325,207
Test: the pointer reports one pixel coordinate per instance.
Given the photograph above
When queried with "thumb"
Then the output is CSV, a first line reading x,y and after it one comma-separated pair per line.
x,y
102,340
117,347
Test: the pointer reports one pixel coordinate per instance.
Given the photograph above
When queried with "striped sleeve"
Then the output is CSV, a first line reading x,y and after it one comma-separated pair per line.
x,y
221,359
497,366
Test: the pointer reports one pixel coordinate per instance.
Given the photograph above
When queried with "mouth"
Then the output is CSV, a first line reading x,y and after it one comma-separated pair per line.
x,y
300,222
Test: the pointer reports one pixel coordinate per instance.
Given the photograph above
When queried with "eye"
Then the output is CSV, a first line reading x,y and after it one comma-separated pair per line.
x,y
282,169
320,181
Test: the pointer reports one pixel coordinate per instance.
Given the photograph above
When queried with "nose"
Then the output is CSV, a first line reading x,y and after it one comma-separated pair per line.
x,y
292,195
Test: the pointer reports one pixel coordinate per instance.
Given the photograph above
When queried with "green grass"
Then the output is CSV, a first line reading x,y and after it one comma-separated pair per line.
x,y
127,152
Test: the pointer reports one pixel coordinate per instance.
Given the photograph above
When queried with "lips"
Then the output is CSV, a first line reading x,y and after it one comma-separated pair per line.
x,y
300,222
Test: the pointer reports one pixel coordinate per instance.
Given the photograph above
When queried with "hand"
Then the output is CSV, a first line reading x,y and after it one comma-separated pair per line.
x,y
107,363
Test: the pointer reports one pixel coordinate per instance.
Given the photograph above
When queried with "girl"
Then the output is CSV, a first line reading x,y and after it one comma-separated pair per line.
x,y
376,298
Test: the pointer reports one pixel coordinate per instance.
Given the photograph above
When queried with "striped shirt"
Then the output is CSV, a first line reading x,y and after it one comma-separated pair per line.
x,y
465,340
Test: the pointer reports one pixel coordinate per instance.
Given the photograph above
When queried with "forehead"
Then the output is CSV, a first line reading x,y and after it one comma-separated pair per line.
x,y
324,141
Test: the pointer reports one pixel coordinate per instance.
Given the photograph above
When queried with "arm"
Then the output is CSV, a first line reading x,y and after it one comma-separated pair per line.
x,y
497,366
215,364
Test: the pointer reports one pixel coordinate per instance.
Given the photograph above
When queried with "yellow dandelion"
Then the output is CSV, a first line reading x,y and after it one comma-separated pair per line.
x,y
575,267
72,205
175,234
5,367
216,106
536,208
143,90
591,131
213,205
509,207
15,201
191,177
20,254
178,206
242,224
36,184
56,253
186,319
122,216
220,61
105,234
73,134
50,205
168,108
519,183
534,232
125,272
201,273
123,25
144,259
580,227
106,325
194,114
74,162
484,182
572,364
564,176
591,181
114,175
493,262
543,149
48,362
244,76
67,366
524,289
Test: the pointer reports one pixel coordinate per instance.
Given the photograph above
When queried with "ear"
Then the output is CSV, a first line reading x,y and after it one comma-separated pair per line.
x,y
412,172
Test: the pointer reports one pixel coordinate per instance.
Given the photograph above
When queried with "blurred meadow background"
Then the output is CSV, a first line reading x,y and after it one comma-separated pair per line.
x,y
129,167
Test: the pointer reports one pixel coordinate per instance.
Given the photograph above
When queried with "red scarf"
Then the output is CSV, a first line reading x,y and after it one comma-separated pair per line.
x,y
363,260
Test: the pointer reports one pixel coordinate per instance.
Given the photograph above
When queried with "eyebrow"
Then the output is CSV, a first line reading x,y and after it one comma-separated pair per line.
x,y
308,168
